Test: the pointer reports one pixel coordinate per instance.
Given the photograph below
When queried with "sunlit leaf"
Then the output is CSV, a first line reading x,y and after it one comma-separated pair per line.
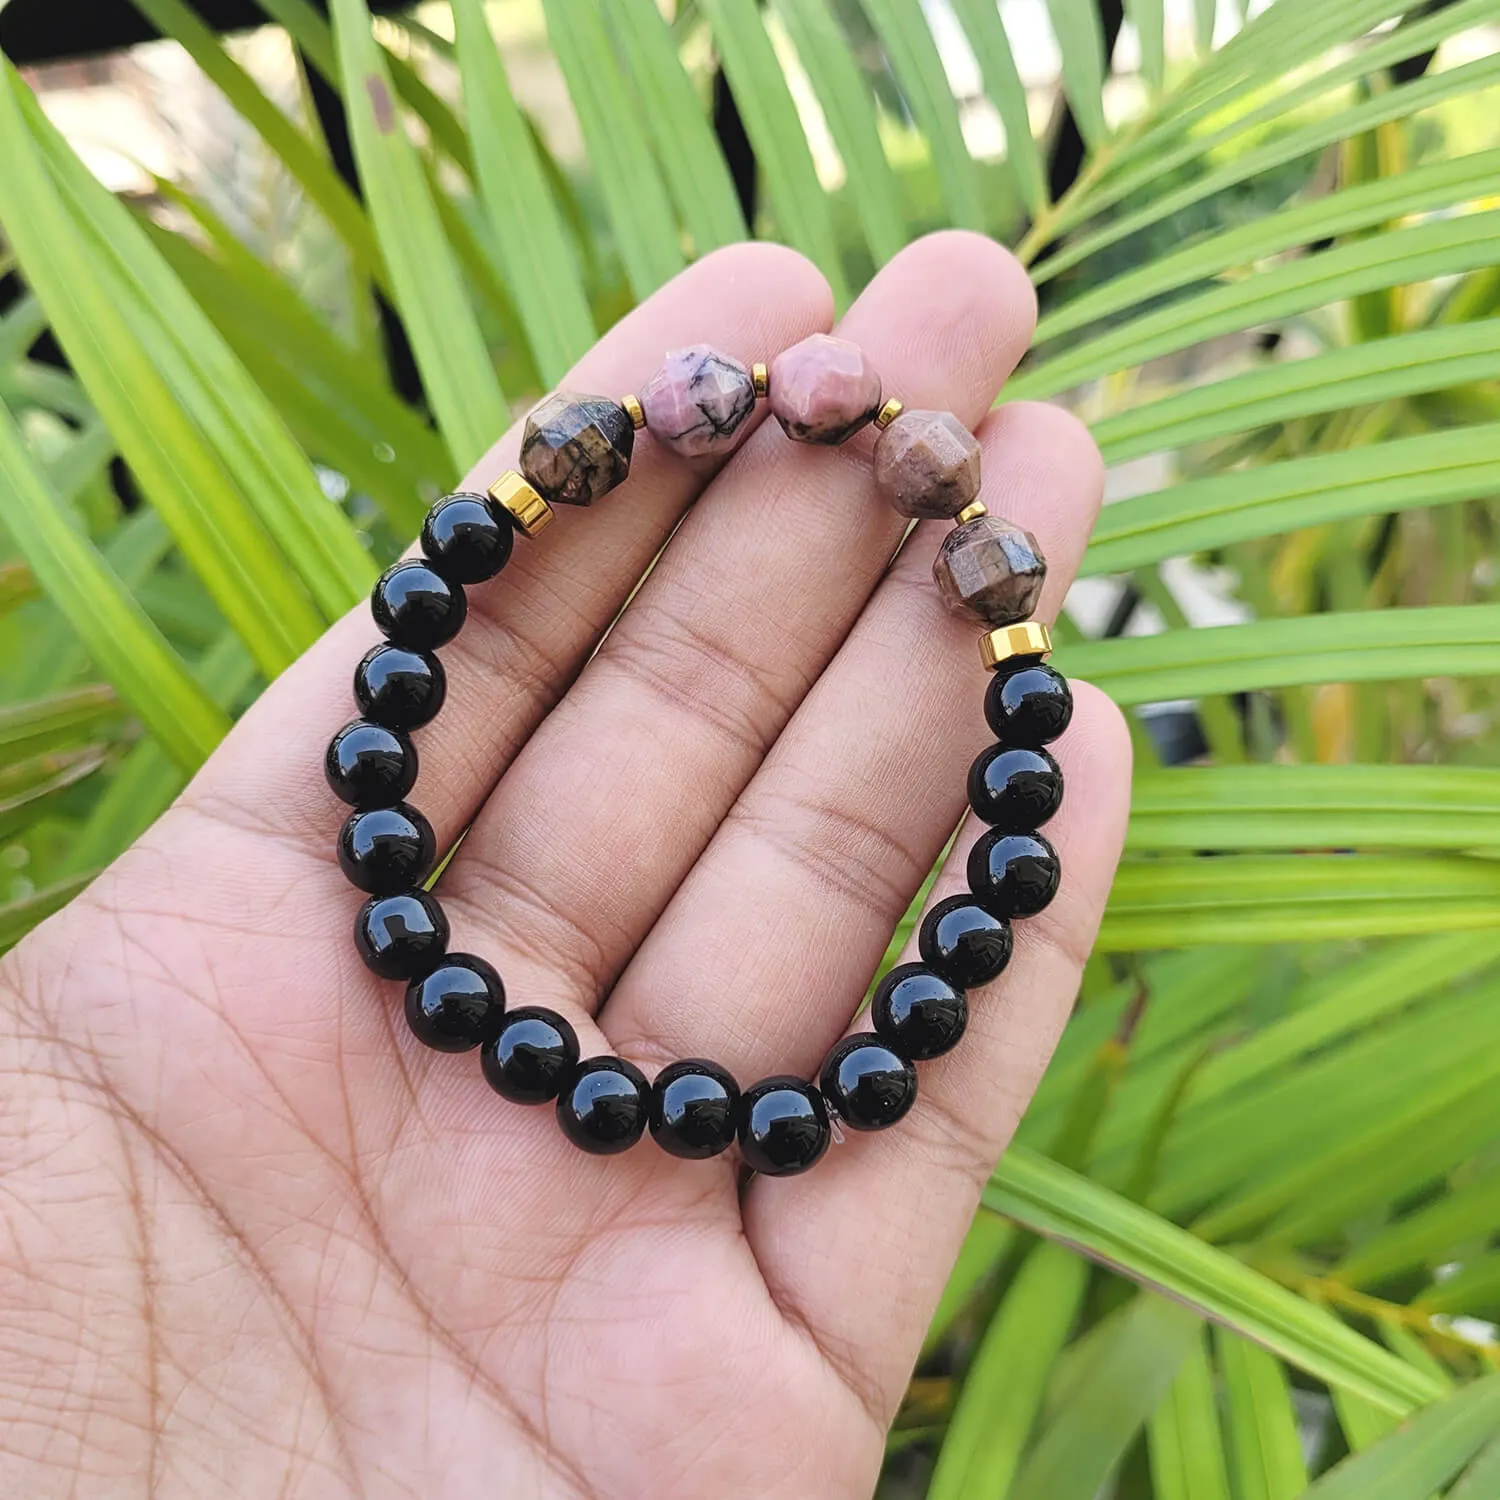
x,y
1265,1448
127,648
1002,1392
456,370
1066,1207
1427,1451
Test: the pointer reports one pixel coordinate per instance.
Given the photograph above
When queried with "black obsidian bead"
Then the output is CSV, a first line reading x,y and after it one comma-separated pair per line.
x,y
384,850
368,765
1028,706
399,689
866,1083
602,1106
457,1006
416,607
1013,874
963,942
1014,788
918,1012
693,1105
464,539
783,1126
401,937
530,1057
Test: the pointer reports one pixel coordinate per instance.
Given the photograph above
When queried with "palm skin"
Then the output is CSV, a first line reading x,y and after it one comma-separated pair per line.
x,y
254,1240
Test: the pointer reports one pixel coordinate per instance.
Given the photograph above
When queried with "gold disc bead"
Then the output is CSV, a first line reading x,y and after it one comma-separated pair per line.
x,y
760,377
971,512
888,413
1029,638
521,503
634,410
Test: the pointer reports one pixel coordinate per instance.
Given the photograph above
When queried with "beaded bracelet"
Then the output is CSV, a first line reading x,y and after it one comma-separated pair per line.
x,y
574,450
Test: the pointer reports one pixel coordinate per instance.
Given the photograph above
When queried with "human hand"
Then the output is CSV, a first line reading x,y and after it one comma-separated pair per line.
x,y
254,1239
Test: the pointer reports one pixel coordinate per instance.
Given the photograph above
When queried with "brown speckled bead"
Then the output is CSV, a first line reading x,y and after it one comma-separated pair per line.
x,y
927,465
991,570
576,448
823,390
698,400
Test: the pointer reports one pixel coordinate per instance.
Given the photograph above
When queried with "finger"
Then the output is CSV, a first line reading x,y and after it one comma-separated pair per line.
x,y
827,1257
793,904
530,629
614,798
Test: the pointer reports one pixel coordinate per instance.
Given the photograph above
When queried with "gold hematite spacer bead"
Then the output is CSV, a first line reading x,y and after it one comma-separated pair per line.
x,y
888,413
634,411
760,377
1029,638
971,512
525,507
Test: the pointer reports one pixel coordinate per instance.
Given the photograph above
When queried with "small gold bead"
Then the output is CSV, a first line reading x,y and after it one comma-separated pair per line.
x,y
1030,638
634,410
525,507
761,377
888,413
971,512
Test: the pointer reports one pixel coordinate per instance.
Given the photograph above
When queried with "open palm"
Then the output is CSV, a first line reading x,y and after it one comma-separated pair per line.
x,y
255,1240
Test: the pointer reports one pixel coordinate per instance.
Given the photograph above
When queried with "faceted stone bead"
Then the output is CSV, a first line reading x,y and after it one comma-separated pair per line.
x,y
1030,705
693,1105
698,400
1015,788
823,390
918,1012
401,937
529,1058
368,765
457,1006
465,540
991,570
383,850
1013,874
927,465
783,1126
867,1084
963,942
576,448
602,1106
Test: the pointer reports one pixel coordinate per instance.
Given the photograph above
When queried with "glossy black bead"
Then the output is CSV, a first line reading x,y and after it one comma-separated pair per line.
x,y
1015,788
867,1083
1028,706
963,942
602,1106
918,1012
1013,874
693,1106
368,765
457,1006
416,607
783,1126
401,937
530,1057
398,688
464,539
384,850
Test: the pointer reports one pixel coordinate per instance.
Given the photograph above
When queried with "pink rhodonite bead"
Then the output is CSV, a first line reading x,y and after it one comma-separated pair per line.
x,y
698,400
989,568
823,390
927,464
